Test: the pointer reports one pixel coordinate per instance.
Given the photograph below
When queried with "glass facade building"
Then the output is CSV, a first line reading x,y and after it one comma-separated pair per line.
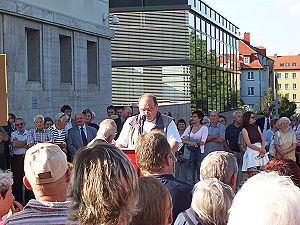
x,y
179,50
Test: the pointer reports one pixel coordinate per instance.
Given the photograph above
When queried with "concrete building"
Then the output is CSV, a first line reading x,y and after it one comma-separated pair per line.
x,y
257,73
287,69
174,49
58,52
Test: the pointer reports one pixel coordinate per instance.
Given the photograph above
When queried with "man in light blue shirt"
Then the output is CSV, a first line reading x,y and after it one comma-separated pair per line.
x,y
216,134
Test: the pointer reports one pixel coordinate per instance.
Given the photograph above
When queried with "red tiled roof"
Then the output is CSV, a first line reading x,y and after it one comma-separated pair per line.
x,y
286,59
245,49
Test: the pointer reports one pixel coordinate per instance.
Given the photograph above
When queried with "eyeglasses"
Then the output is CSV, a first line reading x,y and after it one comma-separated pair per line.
x,y
19,124
252,117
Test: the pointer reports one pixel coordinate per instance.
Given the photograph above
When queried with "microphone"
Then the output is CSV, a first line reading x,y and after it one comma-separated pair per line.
x,y
142,123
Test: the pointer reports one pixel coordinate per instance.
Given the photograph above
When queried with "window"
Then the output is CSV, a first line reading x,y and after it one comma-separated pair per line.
x,y
294,64
281,64
294,96
287,64
294,86
286,86
278,75
65,58
286,75
92,62
294,75
246,60
33,54
287,96
279,86
250,90
250,76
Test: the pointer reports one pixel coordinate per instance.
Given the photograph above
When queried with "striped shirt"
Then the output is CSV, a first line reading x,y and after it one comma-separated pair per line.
x,y
34,136
59,136
42,213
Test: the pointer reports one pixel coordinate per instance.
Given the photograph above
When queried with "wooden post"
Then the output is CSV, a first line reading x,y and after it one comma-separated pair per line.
x,y
3,92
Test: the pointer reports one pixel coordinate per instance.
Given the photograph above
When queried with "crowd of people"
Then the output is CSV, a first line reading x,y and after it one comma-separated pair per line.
x,y
201,172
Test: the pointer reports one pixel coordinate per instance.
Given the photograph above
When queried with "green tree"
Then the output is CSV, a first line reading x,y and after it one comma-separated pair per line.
x,y
286,108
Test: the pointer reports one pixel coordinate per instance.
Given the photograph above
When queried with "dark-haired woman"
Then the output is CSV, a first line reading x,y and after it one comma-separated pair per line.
x,y
254,158
194,138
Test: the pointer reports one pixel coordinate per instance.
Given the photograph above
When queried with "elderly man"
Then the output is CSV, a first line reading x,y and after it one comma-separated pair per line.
x,y
106,133
153,154
48,175
39,133
58,130
104,186
220,165
216,134
148,119
18,142
80,135
231,136
125,114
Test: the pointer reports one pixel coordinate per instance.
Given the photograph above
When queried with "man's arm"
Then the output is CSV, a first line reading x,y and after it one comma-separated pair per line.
x,y
70,143
4,136
212,137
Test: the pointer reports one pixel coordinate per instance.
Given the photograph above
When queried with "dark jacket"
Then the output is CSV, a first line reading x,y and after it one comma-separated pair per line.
x,y
261,122
180,191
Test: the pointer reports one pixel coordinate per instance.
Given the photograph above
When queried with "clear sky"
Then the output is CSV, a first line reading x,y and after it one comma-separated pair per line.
x,y
273,24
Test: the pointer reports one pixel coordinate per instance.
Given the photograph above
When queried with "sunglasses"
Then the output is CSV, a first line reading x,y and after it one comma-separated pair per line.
x,y
19,124
252,117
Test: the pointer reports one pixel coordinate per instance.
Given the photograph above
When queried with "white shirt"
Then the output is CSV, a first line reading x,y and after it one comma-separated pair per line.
x,y
172,132
181,219
200,135
20,137
264,131
84,130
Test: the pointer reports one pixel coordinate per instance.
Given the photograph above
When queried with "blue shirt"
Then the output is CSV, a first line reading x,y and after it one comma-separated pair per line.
x,y
211,146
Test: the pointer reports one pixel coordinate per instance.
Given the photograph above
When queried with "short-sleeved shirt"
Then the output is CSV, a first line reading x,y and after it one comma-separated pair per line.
x,y
59,136
200,135
285,141
172,132
241,140
211,146
231,135
20,137
34,136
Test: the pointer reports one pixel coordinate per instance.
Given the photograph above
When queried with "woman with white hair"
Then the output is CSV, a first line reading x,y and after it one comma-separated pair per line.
x,y
211,202
7,200
266,199
285,140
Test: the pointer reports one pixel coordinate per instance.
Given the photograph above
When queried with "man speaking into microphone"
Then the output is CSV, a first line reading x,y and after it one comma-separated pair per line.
x,y
149,118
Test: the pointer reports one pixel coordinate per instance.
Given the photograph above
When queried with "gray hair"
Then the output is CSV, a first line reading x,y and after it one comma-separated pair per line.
x,y
214,111
283,119
236,112
6,181
38,116
273,199
211,201
219,164
107,128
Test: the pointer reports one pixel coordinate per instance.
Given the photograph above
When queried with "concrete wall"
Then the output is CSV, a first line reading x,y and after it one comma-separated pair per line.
x,y
87,10
29,98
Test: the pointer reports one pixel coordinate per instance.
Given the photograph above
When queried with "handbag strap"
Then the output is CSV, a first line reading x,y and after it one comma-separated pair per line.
x,y
187,218
191,127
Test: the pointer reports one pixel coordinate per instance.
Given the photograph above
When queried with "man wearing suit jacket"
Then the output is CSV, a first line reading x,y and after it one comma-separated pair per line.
x,y
264,122
79,135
